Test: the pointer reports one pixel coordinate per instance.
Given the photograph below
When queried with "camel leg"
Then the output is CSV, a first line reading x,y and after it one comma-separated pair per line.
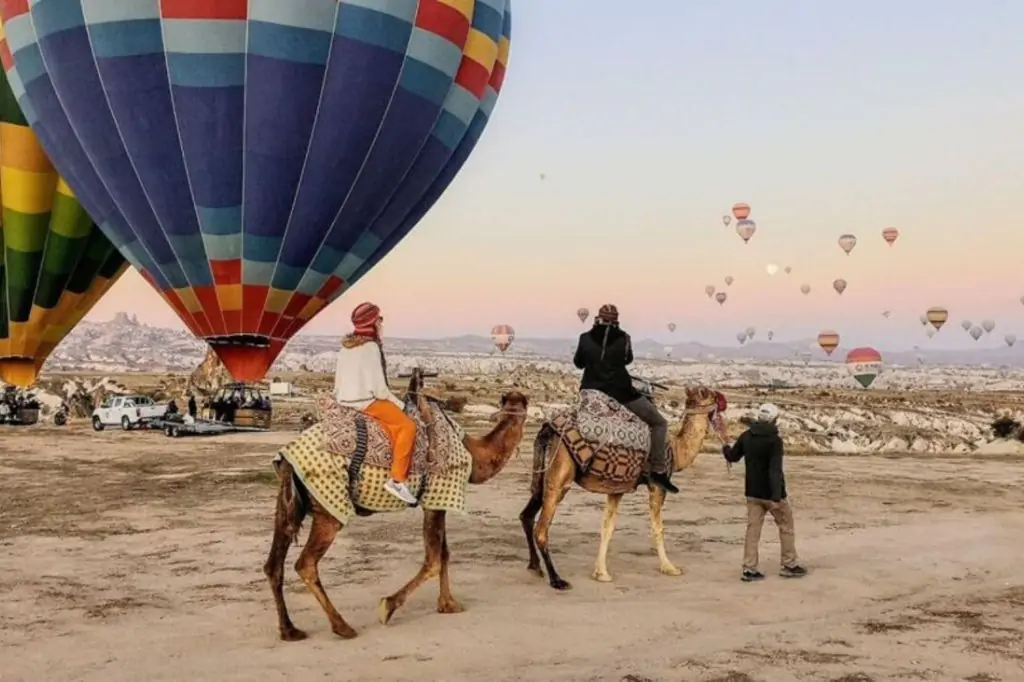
x,y
433,541
658,531
274,568
611,513
559,477
321,535
446,603
528,518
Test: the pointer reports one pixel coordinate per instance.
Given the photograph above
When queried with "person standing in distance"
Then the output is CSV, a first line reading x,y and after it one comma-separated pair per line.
x,y
761,448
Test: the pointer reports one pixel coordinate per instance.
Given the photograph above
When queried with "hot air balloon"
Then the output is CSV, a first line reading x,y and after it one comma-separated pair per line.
x,y
864,364
966,325
750,331
771,269
929,333
709,290
839,285
56,264
976,332
847,242
727,220
671,326
828,340
988,325
502,336
923,319
890,235
741,211
771,335
720,297
668,352
255,159
1010,339
583,314
729,280
741,337
886,314
788,269
746,229
805,289
937,317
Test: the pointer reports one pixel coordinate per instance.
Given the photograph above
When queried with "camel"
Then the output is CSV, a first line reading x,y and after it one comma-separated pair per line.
x,y
489,455
555,472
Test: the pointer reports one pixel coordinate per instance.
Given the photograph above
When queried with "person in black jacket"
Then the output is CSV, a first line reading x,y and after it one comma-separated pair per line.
x,y
603,354
761,448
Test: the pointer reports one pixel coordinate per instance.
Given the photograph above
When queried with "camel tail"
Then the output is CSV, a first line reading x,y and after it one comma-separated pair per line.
x,y
292,500
542,445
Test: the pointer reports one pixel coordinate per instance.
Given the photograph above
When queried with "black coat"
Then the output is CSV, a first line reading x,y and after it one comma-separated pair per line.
x,y
604,361
761,447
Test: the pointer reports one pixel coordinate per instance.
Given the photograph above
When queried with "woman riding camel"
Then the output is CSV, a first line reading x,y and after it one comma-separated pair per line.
x,y
361,382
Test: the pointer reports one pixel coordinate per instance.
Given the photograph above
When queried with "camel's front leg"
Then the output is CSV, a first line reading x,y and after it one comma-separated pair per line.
x,y
611,513
446,603
658,531
433,534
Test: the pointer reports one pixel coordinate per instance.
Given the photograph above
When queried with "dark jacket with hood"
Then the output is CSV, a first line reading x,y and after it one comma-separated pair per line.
x,y
603,354
761,447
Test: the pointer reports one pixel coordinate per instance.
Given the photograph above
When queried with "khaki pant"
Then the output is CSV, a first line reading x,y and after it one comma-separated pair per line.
x,y
783,515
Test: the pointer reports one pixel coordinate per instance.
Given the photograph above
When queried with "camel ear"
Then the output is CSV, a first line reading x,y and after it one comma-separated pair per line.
x,y
503,400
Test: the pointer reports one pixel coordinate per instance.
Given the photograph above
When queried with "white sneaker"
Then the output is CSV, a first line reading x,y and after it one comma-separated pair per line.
x,y
400,490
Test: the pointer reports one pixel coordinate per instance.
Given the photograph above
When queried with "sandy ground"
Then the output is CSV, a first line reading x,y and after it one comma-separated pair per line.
x,y
130,556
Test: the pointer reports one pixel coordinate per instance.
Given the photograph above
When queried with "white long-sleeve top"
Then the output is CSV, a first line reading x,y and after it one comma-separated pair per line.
x,y
359,378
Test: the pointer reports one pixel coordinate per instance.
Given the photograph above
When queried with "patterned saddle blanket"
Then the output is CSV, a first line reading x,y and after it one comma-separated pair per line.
x,y
604,438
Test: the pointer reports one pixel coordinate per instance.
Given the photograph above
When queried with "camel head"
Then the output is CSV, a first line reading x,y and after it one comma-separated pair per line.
x,y
512,404
701,398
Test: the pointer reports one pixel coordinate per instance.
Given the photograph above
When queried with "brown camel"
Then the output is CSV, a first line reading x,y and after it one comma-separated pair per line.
x,y
555,473
490,453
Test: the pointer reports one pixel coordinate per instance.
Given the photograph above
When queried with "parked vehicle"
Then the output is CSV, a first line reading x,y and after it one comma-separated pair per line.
x,y
127,411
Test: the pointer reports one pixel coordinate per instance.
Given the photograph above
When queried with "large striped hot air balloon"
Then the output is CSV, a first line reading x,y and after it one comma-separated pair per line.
x,y
56,263
937,317
864,364
254,158
740,211
890,235
828,340
502,336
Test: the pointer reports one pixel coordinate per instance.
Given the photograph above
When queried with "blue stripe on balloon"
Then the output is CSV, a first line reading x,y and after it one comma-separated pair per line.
x,y
51,17
126,39
211,140
102,11
206,70
373,28
219,221
399,9
312,14
487,19
289,44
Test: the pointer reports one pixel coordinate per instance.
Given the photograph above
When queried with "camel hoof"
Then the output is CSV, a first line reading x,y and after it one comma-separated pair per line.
x,y
560,585
449,606
385,609
602,576
669,569
344,631
293,635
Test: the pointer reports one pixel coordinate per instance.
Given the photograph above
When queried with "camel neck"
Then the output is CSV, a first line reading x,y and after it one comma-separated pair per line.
x,y
491,452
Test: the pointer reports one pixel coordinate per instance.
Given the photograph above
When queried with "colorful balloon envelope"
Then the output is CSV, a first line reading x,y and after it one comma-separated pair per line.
x,y
671,326
805,289
253,159
847,242
741,211
721,297
746,229
583,314
709,290
502,336
56,262
839,285
727,220
936,317
828,340
890,235
729,280
864,364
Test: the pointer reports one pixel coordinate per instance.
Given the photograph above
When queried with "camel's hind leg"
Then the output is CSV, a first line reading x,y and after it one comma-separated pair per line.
x,y
287,518
446,603
321,534
528,517
557,479
611,513
433,542
658,531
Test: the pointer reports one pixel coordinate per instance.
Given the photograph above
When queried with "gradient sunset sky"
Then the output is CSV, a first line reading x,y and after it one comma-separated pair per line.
x,y
650,119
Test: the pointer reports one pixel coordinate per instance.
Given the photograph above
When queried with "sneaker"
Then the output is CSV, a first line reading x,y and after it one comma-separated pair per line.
x,y
750,576
793,571
400,490
662,481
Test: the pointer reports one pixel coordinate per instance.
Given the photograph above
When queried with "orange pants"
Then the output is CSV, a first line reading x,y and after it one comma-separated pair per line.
x,y
401,431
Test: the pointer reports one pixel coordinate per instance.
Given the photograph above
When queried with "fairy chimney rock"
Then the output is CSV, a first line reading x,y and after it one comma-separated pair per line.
x,y
211,374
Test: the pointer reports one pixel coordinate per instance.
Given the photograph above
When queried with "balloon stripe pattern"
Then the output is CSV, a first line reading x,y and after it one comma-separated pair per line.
x,y
864,364
56,263
255,158
502,336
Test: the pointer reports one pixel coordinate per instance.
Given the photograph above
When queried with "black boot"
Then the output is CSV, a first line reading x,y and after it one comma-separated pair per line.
x,y
663,481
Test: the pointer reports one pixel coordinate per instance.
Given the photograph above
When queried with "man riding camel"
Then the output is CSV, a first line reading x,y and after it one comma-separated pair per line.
x,y
361,382
603,354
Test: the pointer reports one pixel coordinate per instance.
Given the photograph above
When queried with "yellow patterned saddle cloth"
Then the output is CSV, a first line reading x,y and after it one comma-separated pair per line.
x,y
604,438
345,460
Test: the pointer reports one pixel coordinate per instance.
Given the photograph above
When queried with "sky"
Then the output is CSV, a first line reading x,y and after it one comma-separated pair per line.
x,y
648,124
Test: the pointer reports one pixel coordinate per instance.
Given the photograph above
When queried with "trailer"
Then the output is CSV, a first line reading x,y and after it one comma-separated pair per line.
x,y
177,428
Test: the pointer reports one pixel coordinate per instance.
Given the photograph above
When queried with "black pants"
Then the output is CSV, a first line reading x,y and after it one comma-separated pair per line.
x,y
657,458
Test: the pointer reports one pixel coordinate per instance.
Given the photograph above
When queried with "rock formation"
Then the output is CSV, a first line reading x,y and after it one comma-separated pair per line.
x,y
210,375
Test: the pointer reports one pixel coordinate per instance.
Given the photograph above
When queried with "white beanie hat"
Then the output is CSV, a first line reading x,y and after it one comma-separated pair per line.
x,y
767,413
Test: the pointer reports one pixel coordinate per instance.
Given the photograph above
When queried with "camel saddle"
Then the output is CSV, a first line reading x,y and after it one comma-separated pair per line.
x,y
604,439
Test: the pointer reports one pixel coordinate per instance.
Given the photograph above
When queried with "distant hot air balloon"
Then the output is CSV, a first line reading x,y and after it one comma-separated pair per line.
x,y
988,325
937,316
805,289
741,211
771,335
923,319
583,314
720,297
502,336
864,364
709,290
727,220
671,326
1010,339
750,331
746,229
976,332
929,333
771,269
890,235
788,269
256,159
741,337
966,325
543,176
886,314
839,285
55,263
828,340
668,352
847,242
729,280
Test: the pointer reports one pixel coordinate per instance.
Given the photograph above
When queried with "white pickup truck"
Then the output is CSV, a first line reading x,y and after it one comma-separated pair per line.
x,y
128,411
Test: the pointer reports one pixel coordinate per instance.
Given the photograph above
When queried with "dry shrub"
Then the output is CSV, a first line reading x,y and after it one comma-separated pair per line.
x,y
455,403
